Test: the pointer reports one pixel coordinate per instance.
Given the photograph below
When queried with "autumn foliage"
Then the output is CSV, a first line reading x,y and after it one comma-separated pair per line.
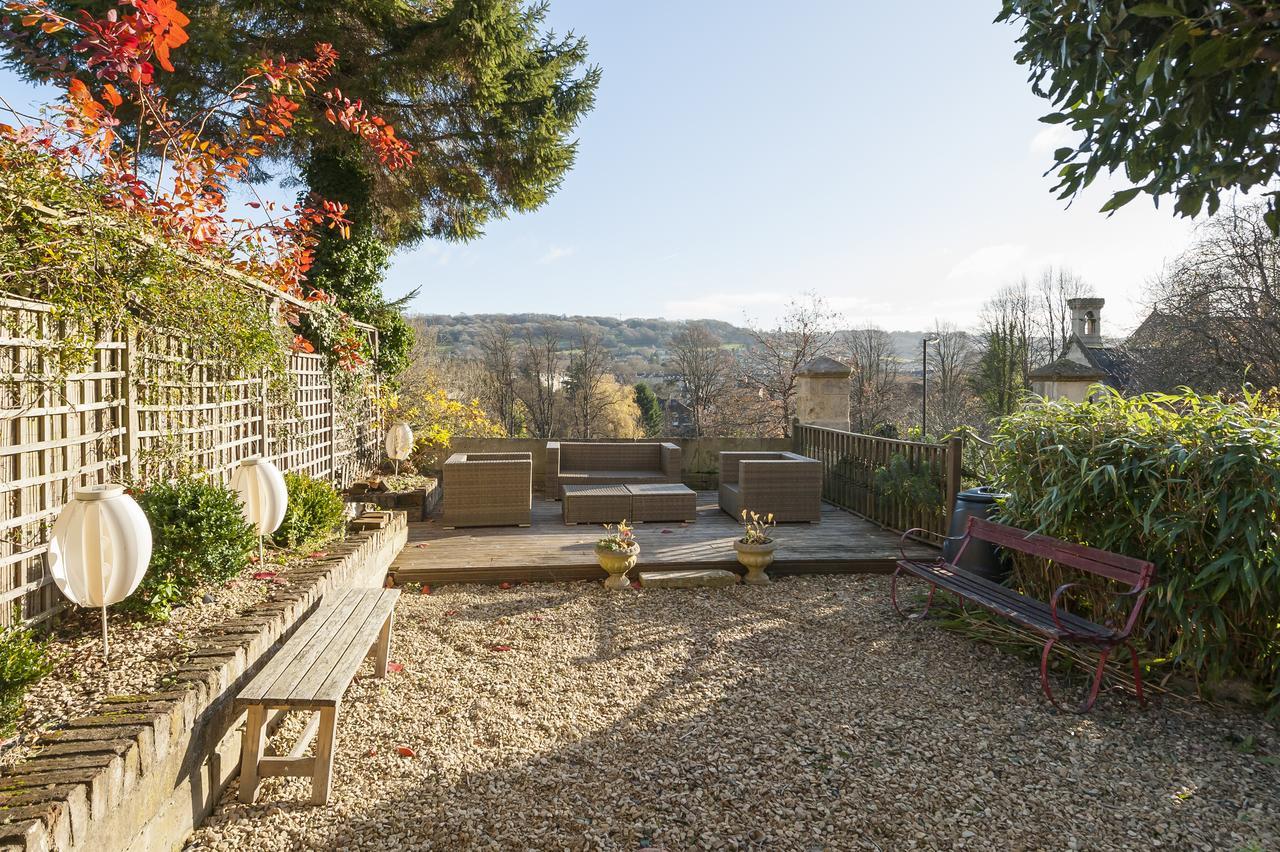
x,y
177,170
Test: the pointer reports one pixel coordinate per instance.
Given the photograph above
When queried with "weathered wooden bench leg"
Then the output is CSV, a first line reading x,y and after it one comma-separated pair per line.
x,y
322,780
255,740
384,646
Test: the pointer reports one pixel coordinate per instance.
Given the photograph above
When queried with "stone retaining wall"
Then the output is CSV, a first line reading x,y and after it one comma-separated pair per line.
x,y
143,771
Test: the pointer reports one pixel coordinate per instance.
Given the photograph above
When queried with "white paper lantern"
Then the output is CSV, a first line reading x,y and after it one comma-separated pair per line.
x,y
99,550
399,441
100,546
262,492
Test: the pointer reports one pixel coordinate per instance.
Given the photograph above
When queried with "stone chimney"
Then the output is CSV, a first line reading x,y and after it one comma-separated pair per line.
x,y
822,394
1086,319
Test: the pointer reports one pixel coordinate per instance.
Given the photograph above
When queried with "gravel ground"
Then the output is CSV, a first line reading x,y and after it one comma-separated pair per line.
x,y
801,716
142,652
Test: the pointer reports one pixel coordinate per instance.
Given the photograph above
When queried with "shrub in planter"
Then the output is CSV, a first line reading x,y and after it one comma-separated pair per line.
x,y
1190,482
315,512
22,662
199,536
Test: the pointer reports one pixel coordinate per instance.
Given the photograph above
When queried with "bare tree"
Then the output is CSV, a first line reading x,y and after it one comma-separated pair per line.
x,y
775,356
538,371
1051,316
875,387
426,361
498,358
949,363
1215,312
1006,337
586,372
704,369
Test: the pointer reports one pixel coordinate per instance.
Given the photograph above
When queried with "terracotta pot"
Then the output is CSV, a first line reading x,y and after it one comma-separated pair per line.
x,y
755,558
617,563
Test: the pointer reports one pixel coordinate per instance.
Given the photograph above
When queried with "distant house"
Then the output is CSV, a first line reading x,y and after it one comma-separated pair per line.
x,y
678,417
1086,360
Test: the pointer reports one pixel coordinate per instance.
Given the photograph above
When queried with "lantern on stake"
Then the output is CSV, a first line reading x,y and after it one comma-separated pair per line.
x,y
99,550
263,496
399,443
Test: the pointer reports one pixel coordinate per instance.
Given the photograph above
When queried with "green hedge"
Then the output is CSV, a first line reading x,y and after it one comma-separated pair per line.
x,y
315,512
1191,483
200,536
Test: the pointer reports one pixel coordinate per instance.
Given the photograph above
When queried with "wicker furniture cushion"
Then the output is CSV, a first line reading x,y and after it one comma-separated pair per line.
x,y
596,504
663,502
609,463
591,457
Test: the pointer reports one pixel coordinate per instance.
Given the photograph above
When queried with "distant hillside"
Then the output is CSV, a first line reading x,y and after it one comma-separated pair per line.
x,y
645,340
622,337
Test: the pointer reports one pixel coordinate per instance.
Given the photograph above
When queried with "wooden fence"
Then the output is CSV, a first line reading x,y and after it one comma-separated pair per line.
x,y
145,408
852,463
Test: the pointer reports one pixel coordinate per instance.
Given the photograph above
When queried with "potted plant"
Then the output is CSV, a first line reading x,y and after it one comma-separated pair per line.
x,y
755,548
617,553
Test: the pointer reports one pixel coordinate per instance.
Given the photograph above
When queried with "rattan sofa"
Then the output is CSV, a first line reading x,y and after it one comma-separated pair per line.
x,y
487,490
622,463
785,484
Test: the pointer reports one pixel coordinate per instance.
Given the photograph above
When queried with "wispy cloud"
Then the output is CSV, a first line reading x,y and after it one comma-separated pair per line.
x,y
722,306
1051,137
555,253
989,263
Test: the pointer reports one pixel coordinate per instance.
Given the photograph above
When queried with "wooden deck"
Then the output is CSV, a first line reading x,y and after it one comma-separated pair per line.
x,y
549,550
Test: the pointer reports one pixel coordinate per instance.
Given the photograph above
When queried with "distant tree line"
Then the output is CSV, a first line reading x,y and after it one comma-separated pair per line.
x,y
1214,325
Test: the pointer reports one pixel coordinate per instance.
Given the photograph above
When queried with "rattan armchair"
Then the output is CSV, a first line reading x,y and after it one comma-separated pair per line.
x,y
488,490
785,484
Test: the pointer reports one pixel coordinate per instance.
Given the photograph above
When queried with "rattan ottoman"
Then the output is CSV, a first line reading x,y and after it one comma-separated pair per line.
x,y
596,504
663,502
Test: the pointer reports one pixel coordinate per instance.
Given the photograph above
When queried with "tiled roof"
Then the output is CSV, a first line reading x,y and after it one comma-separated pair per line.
x,y
1065,368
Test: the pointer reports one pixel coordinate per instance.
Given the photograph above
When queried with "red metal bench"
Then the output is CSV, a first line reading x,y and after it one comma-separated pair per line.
x,y
1045,619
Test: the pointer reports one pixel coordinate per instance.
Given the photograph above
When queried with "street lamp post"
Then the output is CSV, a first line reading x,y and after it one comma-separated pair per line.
x,y
924,385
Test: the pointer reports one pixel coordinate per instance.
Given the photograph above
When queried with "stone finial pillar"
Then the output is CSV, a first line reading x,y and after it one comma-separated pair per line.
x,y
822,393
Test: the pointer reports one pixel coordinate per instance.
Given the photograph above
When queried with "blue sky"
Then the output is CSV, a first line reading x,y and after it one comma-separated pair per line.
x,y
885,155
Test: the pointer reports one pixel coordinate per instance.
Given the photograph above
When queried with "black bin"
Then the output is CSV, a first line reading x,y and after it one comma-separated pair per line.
x,y
979,557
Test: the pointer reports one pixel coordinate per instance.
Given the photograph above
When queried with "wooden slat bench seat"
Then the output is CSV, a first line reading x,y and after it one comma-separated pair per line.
x,y
311,672
1046,619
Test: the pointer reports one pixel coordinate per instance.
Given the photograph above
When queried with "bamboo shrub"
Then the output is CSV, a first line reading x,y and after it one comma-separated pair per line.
x,y
1190,482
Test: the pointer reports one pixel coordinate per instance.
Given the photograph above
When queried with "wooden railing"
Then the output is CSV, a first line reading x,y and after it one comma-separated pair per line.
x,y
145,407
852,467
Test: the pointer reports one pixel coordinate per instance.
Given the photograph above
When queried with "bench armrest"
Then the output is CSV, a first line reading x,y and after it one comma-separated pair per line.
x,y
1139,594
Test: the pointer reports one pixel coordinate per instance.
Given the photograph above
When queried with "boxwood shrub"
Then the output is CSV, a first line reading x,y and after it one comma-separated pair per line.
x,y
315,512
199,535
1190,482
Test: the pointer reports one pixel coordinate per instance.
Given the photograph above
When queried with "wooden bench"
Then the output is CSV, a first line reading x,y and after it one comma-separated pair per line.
x,y
1045,619
311,673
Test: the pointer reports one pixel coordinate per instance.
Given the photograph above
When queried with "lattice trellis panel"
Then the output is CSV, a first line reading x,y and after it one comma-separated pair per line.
x,y
145,409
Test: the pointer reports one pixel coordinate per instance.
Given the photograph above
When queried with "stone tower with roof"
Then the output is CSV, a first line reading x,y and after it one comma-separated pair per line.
x,y
1085,361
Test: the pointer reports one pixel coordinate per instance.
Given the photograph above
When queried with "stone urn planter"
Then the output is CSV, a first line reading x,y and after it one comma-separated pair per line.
x,y
617,563
755,558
